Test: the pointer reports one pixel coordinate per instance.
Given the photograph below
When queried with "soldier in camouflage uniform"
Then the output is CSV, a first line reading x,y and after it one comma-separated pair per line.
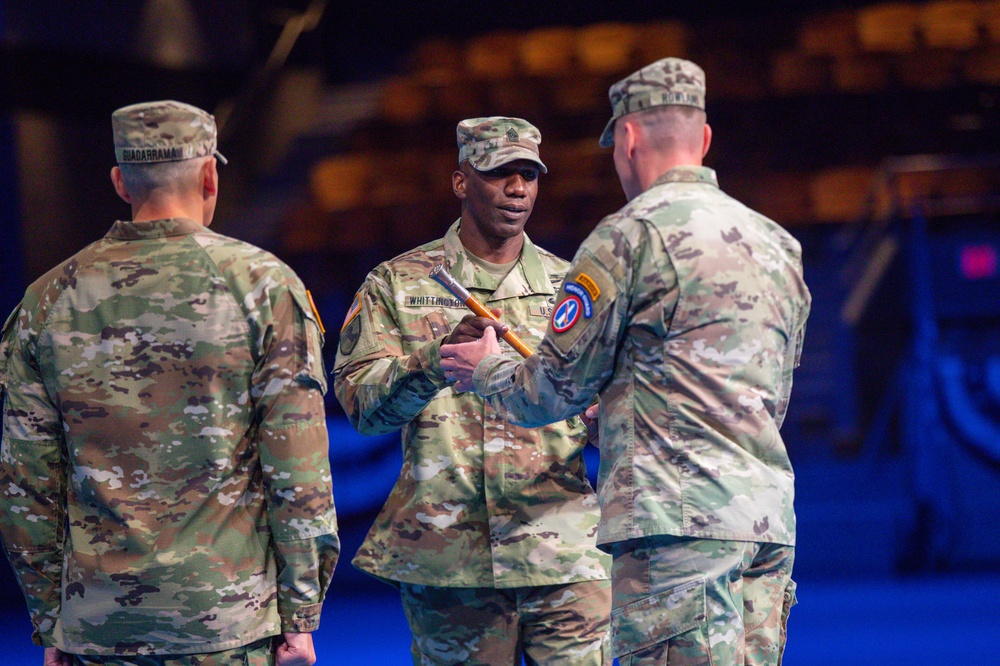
x,y
684,312
490,530
164,478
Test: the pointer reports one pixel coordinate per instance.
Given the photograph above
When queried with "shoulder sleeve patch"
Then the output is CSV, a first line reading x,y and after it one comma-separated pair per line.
x,y
311,372
357,335
584,299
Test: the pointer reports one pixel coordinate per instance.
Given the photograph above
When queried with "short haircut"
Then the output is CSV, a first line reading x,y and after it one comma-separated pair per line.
x,y
672,126
141,180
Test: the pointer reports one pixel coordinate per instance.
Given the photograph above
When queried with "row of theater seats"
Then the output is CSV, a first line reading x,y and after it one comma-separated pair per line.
x,y
928,45
393,180
567,209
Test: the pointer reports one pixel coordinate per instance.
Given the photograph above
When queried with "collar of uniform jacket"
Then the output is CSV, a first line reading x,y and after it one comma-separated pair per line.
x,y
688,174
527,277
175,226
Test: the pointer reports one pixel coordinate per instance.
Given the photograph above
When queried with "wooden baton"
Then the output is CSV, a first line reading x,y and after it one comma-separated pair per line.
x,y
441,275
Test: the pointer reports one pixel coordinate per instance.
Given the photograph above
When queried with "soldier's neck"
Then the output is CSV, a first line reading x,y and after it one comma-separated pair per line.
x,y
162,208
495,251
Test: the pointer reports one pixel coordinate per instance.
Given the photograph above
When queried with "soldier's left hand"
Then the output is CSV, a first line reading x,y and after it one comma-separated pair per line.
x,y
460,361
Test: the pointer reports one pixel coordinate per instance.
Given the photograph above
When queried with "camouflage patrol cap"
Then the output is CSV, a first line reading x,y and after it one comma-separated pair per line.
x,y
164,131
490,142
670,81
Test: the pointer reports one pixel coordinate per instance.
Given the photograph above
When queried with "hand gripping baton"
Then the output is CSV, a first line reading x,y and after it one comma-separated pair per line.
x,y
441,275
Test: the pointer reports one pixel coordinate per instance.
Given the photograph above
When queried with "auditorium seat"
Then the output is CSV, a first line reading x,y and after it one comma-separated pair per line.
x,y
860,73
606,48
951,24
404,102
794,72
890,27
840,194
548,52
662,39
340,182
832,34
492,56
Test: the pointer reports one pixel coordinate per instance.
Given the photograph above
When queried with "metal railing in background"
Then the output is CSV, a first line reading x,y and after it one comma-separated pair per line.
x,y
926,214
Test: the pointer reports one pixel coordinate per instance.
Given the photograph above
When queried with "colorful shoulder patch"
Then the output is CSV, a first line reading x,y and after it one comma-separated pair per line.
x,y
567,313
353,312
588,293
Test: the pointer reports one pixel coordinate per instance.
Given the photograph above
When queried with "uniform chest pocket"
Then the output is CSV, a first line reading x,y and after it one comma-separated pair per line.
x,y
419,328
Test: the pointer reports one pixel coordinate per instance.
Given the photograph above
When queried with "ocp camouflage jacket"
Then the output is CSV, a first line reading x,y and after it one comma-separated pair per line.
x,y
685,313
478,502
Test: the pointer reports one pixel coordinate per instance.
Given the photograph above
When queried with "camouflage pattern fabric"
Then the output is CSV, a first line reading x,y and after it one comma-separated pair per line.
x,y
694,602
685,312
550,624
164,131
666,82
260,653
164,474
492,142
478,502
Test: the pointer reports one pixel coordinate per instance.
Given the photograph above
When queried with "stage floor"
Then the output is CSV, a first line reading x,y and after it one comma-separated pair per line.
x,y
941,620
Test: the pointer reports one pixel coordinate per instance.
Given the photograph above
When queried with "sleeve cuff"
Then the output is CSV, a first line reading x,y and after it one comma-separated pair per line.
x,y
428,360
301,620
483,374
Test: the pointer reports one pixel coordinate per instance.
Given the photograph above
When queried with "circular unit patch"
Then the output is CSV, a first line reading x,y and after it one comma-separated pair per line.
x,y
566,314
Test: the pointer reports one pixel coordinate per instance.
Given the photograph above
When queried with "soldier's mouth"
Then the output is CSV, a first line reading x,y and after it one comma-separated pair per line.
x,y
512,212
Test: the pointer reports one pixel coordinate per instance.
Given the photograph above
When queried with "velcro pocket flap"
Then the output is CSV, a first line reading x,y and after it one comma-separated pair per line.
x,y
657,618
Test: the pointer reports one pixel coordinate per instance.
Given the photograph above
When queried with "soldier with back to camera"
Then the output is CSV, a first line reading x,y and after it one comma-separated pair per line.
x,y
164,477
684,312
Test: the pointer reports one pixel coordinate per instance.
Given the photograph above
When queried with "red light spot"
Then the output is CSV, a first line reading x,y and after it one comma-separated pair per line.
x,y
978,262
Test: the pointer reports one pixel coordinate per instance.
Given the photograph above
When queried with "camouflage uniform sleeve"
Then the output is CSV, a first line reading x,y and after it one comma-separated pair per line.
x,y
287,392
380,388
793,355
575,362
32,477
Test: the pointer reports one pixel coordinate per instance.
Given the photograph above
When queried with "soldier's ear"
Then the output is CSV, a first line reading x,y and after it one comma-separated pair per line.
x,y
631,138
458,182
209,178
708,140
119,182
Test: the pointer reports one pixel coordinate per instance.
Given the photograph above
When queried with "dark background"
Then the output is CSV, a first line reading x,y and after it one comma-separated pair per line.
x,y
872,136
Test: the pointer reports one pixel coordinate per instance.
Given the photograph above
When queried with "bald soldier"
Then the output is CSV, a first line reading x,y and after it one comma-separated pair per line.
x,y
684,313
164,478
490,531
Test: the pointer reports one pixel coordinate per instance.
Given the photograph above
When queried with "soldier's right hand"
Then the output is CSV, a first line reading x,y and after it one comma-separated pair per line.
x,y
471,328
593,427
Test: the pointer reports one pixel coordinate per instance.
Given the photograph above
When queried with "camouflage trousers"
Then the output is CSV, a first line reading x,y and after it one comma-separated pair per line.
x,y
258,653
552,624
700,602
